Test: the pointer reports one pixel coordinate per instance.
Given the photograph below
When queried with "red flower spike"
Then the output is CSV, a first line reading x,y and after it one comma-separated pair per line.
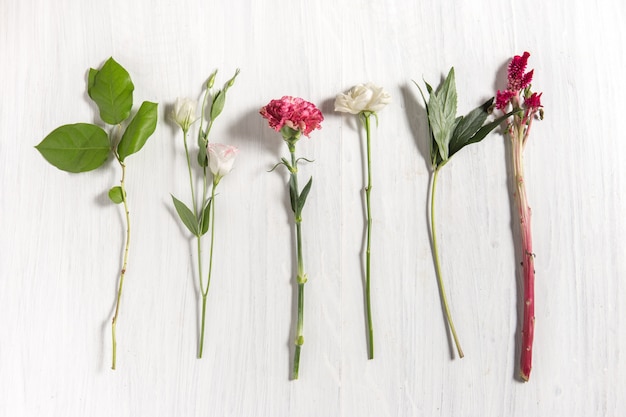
x,y
533,102
503,98
517,79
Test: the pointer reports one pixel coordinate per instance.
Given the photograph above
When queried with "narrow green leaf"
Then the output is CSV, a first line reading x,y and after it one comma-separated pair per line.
x,y
116,195
139,130
468,126
205,217
293,193
112,90
484,131
218,104
78,147
186,215
442,114
203,159
304,194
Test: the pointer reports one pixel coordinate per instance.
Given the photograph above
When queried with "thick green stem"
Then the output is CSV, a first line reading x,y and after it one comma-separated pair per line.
x,y
301,276
205,291
124,266
368,190
442,289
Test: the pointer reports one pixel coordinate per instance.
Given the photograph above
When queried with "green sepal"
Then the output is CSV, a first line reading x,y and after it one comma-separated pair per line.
x,y
205,217
139,130
75,148
116,194
112,90
303,195
186,215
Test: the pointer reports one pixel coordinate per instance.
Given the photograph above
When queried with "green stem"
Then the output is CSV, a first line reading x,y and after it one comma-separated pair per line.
x,y
301,276
370,327
442,289
205,291
193,194
124,265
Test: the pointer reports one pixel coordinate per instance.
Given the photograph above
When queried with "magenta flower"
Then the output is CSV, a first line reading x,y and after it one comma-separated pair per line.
x,y
293,112
526,105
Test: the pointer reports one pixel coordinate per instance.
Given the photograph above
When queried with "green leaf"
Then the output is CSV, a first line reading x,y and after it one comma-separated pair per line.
x,y
468,126
218,104
484,131
205,217
442,114
79,147
116,195
139,130
112,90
220,98
304,194
293,193
203,159
186,215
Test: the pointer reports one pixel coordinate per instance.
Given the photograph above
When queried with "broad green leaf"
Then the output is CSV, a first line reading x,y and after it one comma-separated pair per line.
x,y
205,218
468,126
116,195
91,79
218,104
139,130
186,215
293,193
112,90
304,194
442,114
78,147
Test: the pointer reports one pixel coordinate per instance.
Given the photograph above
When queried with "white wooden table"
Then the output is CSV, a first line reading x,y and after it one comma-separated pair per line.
x,y
60,238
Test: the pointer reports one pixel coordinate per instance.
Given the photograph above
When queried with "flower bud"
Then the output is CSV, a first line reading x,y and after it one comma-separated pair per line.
x,y
184,113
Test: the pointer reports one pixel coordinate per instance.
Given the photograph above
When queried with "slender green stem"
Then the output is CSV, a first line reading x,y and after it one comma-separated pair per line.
x,y
193,194
301,276
442,289
124,266
205,291
368,190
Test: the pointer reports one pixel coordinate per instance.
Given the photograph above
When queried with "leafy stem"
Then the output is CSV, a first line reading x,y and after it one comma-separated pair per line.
x,y
442,289
368,190
124,264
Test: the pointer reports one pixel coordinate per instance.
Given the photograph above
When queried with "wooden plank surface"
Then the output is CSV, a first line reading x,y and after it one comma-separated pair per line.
x,y
60,238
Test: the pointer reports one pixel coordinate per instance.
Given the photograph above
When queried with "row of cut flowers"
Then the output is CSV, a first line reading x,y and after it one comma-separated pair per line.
x,y
83,147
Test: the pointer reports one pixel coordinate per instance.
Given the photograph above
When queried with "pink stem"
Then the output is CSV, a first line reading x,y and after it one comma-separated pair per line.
x,y
528,263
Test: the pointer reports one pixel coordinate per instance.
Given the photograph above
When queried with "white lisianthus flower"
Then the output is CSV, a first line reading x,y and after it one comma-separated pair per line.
x,y
221,159
184,113
362,98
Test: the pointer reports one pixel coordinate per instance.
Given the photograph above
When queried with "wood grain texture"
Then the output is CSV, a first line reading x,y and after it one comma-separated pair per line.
x,y
60,245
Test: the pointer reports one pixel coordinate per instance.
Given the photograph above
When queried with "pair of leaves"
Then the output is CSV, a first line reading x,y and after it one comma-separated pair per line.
x,y
197,226
83,147
297,201
449,134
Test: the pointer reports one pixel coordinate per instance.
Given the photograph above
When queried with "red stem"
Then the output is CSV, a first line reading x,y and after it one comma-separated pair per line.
x,y
518,137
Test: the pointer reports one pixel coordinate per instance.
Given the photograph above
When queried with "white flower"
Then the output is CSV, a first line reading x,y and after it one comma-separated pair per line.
x,y
221,159
363,97
184,113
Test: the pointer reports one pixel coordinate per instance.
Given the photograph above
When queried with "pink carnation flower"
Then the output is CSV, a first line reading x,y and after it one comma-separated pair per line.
x,y
293,112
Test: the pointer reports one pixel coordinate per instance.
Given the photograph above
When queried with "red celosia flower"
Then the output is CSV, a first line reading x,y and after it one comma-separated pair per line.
x,y
503,98
517,79
533,102
293,112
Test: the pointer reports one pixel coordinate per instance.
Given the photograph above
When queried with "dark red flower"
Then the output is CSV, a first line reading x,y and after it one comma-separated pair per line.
x,y
533,102
517,79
